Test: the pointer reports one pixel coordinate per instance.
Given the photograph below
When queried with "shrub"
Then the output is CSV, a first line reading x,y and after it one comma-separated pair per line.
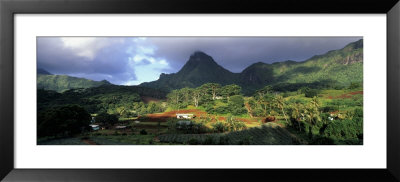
x,y
223,140
198,128
221,110
344,129
171,123
245,140
143,132
354,85
308,92
234,124
321,140
106,118
330,108
193,141
219,127
64,120
209,140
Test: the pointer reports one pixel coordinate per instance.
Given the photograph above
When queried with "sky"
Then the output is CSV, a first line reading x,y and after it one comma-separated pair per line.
x,y
133,60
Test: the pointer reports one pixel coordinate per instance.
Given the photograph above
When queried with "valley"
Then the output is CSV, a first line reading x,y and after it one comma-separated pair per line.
x,y
318,101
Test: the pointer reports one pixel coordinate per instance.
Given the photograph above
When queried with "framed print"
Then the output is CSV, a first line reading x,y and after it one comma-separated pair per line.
x,y
151,90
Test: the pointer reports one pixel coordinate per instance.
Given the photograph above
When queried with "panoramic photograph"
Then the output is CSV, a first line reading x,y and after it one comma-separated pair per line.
x,y
199,90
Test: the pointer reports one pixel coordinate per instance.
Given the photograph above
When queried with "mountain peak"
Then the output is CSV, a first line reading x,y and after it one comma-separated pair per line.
x,y
199,61
200,56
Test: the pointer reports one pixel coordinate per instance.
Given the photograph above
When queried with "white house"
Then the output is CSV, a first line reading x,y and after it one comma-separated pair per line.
x,y
184,116
95,127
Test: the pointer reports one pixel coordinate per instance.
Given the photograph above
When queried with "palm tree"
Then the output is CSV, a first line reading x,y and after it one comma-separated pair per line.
x,y
196,95
312,114
264,98
280,103
315,102
296,113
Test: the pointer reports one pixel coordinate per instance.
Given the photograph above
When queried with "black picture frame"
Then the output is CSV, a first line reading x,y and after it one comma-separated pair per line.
x,y
8,8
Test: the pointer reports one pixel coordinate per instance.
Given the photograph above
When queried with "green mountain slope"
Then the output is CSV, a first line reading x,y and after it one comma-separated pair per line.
x,y
61,83
103,98
334,68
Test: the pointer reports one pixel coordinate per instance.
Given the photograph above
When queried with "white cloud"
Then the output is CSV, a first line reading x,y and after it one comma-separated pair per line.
x,y
163,62
146,66
88,46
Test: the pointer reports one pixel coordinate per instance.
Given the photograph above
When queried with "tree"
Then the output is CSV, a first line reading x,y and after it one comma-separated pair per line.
x,y
234,124
64,120
229,90
264,98
108,119
264,91
280,103
120,110
212,88
196,95
315,102
236,105
312,113
296,113
186,95
174,98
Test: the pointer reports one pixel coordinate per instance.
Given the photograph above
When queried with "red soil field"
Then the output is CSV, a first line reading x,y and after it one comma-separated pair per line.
x,y
346,95
162,117
248,121
172,114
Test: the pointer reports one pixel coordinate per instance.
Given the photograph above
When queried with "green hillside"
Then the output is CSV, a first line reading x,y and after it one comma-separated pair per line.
x,y
105,98
61,83
337,68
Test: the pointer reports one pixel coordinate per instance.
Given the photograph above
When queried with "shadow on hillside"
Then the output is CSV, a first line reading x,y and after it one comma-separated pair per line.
x,y
268,134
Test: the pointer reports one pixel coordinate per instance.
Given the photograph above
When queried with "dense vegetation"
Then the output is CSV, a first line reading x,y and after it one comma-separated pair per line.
x,y
123,101
213,97
63,121
319,101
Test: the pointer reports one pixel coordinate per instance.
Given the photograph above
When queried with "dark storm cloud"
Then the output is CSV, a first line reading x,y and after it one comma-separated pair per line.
x,y
132,60
107,62
237,53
